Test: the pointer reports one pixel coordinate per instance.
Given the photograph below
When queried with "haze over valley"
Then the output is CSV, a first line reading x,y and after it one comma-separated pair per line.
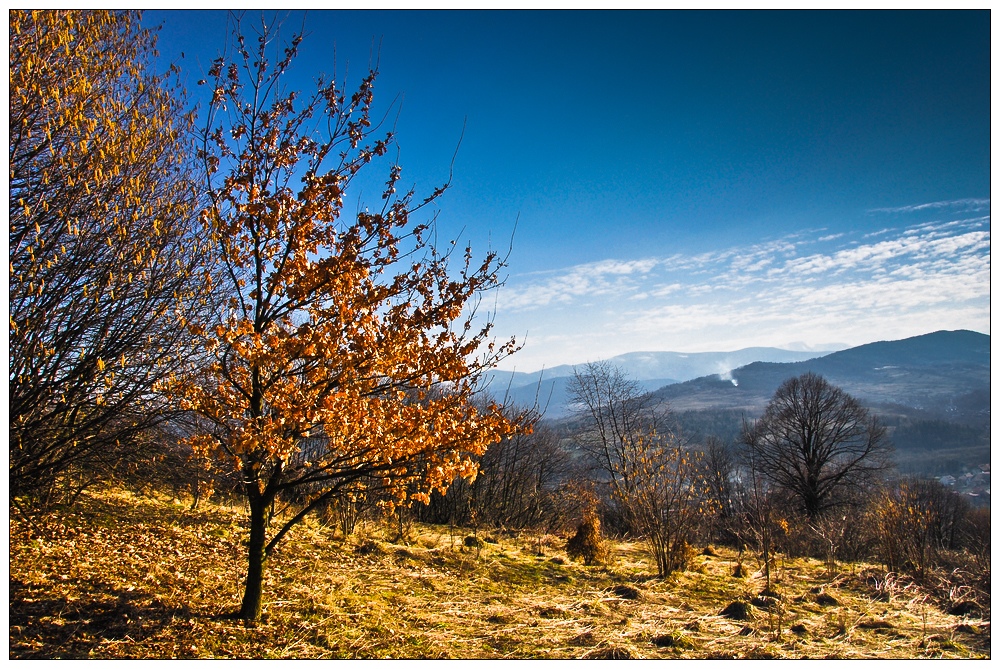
x,y
933,391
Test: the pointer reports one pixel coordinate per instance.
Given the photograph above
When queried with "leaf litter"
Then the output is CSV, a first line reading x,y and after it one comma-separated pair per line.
x,y
123,575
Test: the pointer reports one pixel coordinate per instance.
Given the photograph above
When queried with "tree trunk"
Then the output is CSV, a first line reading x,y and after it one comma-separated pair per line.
x,y
253,588
812,502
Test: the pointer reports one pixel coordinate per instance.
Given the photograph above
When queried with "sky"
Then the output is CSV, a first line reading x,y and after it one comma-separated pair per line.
x,y
680,180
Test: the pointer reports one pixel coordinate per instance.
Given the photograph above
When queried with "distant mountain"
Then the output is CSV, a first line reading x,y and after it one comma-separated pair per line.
x,y
944,374
932,391
651,369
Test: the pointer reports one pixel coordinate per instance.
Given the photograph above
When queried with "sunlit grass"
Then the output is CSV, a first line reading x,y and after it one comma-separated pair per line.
x,y
131,576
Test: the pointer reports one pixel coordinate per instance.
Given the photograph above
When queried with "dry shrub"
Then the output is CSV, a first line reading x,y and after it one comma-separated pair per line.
x,y
587,544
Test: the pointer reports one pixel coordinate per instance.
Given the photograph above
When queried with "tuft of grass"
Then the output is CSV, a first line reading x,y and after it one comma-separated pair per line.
x,y
128,576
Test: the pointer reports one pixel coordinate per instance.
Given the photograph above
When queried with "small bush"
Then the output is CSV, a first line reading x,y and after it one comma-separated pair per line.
x,y
587,544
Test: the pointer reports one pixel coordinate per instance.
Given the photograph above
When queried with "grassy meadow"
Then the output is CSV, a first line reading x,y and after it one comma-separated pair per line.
x,y
126,576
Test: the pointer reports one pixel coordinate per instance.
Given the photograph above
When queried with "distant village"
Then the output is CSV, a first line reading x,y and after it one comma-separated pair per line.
x,y
975,485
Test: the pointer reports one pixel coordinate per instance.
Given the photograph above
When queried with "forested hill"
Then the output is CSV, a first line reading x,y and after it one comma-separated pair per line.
x,y
933,391
945,375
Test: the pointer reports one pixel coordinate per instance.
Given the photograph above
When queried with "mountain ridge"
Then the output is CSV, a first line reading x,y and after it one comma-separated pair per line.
x,y
943,375
750,354
650,369
932,391
937,372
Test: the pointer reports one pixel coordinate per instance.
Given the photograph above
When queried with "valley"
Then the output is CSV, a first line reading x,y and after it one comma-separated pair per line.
x,y
932,391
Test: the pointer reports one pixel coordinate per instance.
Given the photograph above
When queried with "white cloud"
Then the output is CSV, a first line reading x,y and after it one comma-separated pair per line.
x,y
879,233
966,204
619,267
669,289
811,288
595,279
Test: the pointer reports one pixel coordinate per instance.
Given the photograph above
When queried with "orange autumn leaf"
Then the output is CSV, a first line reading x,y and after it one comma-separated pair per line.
x,y
337,359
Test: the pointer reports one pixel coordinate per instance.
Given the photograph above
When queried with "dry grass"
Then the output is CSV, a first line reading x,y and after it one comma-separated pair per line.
x,y
132,577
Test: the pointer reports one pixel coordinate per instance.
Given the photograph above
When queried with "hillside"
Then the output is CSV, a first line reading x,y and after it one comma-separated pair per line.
x,y
942,373
651,369
126,576
932,390
939,376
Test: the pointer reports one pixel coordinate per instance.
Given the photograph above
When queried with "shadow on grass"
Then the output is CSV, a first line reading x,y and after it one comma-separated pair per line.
x,y
47,626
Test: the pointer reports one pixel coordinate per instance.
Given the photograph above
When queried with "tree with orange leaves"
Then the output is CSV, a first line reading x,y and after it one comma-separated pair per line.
x,y
351,332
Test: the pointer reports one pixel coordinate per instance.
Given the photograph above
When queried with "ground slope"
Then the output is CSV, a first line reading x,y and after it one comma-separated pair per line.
x,y
123,576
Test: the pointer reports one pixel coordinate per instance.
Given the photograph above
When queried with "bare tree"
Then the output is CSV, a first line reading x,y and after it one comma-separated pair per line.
x,y
518,476
655,482
518,484
815,441
616,413
756,501
719,470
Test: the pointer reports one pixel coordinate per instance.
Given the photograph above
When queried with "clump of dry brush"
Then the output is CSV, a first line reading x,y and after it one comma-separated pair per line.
x,y
587,544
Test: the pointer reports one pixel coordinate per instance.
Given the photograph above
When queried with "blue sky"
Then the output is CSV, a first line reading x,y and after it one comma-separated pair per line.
x,y
685,181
